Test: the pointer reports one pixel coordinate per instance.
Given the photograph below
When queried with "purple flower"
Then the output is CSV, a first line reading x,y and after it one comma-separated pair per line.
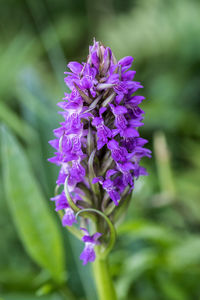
x,y
60,201
103,132
126,169
109,186
77,172
88,254
124,127
75,67
69,217
98,145
118,153
62,204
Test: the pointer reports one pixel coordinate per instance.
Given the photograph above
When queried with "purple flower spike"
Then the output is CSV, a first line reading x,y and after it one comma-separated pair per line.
x,y
98,145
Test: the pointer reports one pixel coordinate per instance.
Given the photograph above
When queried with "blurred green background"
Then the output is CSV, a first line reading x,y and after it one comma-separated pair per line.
x,y
157,255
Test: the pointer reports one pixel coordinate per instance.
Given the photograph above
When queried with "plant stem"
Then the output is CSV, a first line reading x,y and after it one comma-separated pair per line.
x,y
104,283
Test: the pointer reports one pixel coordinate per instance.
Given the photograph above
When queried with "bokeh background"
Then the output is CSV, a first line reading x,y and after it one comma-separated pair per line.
x,y
157,255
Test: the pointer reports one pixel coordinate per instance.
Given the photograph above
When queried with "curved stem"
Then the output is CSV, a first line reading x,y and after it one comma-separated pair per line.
x,y
69,199
111,228
71,203
108,211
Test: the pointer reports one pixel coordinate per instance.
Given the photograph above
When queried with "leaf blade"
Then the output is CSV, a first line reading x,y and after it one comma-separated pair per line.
x,y
36,227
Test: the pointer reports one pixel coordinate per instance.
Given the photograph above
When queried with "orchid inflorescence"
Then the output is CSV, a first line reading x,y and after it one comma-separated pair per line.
x,y
98,146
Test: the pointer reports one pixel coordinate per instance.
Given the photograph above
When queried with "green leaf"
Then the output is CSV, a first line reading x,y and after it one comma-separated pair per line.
x,y
141,229
134,266
19,126
170,289
35,224
186,254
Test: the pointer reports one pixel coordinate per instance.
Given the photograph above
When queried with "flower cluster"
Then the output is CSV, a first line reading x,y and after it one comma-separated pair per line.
x,y
98,146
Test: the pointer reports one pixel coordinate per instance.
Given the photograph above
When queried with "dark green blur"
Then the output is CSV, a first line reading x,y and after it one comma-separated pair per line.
x,y
157,254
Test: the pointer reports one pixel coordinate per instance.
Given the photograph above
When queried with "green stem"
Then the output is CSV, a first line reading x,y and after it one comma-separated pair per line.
x,y
103,280
69,199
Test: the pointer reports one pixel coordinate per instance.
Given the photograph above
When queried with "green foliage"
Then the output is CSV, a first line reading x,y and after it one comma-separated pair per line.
x,y
41,239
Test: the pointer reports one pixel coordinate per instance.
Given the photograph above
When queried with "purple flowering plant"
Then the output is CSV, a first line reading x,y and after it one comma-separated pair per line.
x,y
98,149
